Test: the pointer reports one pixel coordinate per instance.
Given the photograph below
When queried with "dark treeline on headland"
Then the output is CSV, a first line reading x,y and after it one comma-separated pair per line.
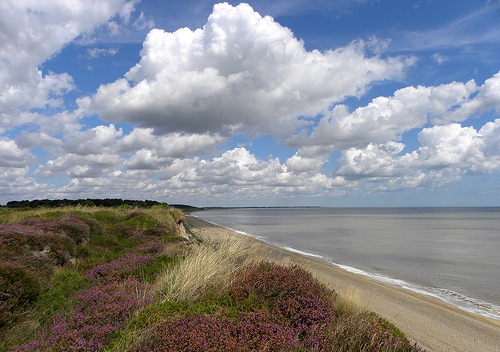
x,y
89,202
107,202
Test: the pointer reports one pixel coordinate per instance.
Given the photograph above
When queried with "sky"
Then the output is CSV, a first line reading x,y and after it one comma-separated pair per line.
x,y
265,103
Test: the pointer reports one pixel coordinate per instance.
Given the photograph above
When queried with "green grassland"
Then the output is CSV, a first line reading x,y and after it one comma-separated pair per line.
x,y
86,278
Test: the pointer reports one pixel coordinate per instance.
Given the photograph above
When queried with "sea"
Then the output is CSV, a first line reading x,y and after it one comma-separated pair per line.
x,y
452,254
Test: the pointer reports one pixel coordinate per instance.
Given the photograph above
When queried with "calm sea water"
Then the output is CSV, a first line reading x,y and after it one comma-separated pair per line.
x,y
449,253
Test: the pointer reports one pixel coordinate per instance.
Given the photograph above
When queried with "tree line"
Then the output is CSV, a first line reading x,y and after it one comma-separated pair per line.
x,y
107,202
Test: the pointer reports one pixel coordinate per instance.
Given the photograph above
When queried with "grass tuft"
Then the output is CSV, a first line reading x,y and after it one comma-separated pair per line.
x,y
207,266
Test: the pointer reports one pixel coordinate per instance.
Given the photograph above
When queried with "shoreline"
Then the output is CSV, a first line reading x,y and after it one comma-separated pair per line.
x,y
432,323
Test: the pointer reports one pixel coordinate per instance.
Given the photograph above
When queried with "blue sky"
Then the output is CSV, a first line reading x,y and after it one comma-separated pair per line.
x,y
327,102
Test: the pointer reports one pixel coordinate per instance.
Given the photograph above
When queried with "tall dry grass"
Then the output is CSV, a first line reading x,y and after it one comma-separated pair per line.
x,y
349,302
209,265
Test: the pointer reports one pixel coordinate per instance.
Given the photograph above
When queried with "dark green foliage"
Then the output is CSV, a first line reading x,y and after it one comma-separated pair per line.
x,y
18,289
75,228
64,284
107,217
162,262
367,332
138,218
95,227
115,202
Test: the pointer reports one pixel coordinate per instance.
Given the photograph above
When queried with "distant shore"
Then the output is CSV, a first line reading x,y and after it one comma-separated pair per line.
x,y
433,324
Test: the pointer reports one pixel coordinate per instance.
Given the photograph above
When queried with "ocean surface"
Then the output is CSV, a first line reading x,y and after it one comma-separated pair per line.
x,y
449,253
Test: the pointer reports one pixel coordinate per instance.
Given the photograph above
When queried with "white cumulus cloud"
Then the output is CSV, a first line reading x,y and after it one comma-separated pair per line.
x,y
31,32
387,118
447,152
241,72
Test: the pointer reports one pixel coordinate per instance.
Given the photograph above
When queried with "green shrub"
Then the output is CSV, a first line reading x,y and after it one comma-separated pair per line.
x,y
63,285
107,217
18,289
140,220
75,228
149,273
367,332
177,215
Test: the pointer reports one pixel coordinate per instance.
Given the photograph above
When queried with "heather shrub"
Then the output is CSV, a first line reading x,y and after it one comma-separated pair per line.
x,y
45,236
31,245
75,228
18,289
214,332
265,307
96,229
100,311
120,268
292,293
367,332
96,266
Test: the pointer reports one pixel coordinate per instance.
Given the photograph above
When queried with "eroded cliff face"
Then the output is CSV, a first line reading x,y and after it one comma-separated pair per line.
x,y
181,232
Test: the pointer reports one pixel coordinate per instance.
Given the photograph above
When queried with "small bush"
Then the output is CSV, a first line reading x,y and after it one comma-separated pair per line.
x,y
63,285
45,236
150,272
107,217
290,292
75,228
368,332
100,311
120,268
251,332
18,289
177,215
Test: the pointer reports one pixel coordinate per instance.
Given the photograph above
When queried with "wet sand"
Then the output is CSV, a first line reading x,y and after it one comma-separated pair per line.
x,y
433,324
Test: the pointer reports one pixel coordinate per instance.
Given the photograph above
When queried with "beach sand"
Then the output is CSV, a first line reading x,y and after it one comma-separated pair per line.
x,y
433,324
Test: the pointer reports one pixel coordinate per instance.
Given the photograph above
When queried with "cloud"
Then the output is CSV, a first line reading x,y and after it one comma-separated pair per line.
x,y
440,59
236,174
239,173
240,73
11,156
459,33
99,52
31,32
446,153
96,140
193,90
80,166
174,145
387,118
486,99
374,161
449,145
142,22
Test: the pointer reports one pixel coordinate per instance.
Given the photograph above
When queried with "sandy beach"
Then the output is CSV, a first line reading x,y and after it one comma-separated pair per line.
x,y
433,324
